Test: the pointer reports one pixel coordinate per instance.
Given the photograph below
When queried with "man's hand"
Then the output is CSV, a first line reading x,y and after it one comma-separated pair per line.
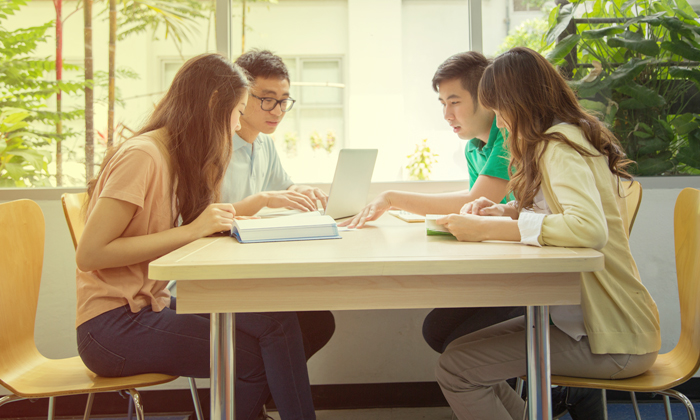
x,y
290,199
372,211
313,194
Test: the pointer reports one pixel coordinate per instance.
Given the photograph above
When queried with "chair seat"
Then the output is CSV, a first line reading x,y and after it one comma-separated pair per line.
x,y
667,371
55,377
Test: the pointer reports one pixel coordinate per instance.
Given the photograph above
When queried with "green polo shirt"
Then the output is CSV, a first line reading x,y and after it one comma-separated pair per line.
x,y
489,159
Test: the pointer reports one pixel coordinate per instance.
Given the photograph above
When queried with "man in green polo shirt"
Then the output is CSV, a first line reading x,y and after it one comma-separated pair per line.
x,y
456,81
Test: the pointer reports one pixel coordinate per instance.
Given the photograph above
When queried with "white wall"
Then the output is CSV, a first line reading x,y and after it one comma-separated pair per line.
x,y
369,346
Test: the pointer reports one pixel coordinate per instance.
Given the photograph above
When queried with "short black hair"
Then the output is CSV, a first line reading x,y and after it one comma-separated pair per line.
x,y
263,63
468,67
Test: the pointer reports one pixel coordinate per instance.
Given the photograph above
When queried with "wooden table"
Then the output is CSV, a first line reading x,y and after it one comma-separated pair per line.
x,y
389,265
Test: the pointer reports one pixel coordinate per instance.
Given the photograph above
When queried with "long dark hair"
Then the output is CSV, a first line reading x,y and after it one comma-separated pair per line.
x,y
531,96
196,112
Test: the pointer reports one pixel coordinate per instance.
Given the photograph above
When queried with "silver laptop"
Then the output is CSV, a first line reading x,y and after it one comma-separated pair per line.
x,y
351,182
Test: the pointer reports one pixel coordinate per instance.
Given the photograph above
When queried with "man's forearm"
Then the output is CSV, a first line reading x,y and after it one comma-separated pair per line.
x,y
250,205
444,203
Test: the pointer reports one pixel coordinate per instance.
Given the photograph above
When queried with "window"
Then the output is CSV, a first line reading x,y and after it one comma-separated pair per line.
x,y
314,129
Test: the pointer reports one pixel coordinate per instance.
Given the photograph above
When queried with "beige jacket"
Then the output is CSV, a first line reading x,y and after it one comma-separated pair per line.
x,y
619,313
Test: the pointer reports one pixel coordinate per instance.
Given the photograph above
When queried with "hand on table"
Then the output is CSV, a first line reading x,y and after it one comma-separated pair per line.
x,y
465,227
215,218
290,199
372,211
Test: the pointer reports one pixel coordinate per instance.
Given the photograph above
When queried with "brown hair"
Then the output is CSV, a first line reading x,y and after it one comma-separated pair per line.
x,y
468,67
196,112
263,63
531,96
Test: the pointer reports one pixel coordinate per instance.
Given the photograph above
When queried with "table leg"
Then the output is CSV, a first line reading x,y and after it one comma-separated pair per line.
x,y
539,393
222,366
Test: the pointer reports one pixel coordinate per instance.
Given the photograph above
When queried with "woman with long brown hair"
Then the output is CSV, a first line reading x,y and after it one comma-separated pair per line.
x,y
155,193
566,169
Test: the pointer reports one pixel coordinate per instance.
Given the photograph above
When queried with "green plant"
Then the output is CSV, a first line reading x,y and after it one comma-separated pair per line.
x,y
421,161
529,34
290,143
25,85
316,141
21,165
639,73
329,144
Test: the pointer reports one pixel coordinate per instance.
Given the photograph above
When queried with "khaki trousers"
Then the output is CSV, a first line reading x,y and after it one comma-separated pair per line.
x,y
473,369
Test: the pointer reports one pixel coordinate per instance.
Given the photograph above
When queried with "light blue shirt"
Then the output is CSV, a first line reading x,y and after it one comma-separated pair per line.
x,y
254,168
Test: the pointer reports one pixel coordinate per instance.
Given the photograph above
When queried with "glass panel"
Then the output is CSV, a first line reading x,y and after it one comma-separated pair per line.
x,y
310,156
321,72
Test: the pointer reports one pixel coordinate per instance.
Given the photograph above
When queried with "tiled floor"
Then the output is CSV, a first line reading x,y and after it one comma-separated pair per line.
x,y
654,411
648,411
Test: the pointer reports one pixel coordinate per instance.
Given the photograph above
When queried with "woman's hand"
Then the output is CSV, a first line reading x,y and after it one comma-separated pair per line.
x,y
465,227
372,211
470,228
485,207
215,218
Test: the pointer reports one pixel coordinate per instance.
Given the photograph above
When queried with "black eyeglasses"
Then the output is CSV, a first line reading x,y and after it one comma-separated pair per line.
x,y
268,104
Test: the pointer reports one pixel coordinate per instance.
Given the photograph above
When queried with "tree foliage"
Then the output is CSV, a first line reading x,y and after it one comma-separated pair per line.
x,y
25,87
640,74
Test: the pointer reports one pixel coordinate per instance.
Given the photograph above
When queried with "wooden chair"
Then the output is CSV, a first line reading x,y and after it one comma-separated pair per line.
x,y
74,210
680,364
24,371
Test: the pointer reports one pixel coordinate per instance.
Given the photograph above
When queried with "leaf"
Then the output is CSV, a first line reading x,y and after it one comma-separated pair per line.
x,y
647,46
566,13
629,70
653,166
626,5
690,153
587,90
641,94
652,145
15,170
686,9
685,73
563,48
594,106
594,73
32,157
683,49
603,32
685,123
641,134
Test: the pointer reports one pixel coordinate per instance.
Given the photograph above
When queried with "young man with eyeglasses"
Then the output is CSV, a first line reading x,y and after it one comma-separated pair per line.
x,y
255,177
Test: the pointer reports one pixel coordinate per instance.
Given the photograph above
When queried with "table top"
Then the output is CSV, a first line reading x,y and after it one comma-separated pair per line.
x,y
386,247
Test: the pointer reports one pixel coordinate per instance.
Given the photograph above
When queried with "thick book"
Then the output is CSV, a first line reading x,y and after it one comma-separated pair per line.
x,y
293,228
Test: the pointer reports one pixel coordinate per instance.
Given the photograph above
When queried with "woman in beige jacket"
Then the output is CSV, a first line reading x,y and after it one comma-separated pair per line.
x,y
566,169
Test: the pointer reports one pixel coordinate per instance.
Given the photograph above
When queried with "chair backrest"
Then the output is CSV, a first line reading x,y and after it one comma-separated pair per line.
x,y
686,221
75,217
633,198
22,233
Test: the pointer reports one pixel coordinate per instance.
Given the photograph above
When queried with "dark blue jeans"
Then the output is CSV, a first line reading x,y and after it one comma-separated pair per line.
x,y
269,353
443,325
